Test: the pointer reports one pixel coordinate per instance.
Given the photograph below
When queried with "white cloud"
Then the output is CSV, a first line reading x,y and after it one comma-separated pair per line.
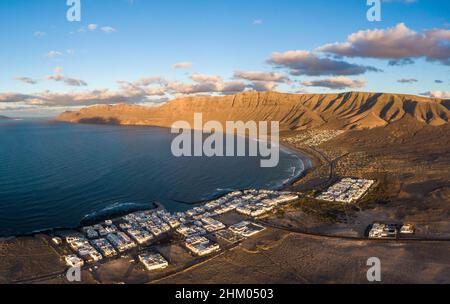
x,y
206,78
437,94
263,86
146,90
67,80
231,87
53,54
202,84
108,29
26,80
10,97
92,27
146,81
261,76
182,65
338,83
192,88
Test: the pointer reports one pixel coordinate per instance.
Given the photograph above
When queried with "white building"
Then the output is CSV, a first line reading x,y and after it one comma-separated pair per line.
x,y
121,241
347,191
73,261
105,248
153,261
407,229
380,231
201,246
246,229
140,236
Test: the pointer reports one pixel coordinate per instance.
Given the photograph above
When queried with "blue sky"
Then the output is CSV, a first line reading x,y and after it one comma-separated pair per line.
x,y
50,64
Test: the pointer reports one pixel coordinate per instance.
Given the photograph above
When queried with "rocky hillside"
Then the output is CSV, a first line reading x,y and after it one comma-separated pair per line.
x,y
352,110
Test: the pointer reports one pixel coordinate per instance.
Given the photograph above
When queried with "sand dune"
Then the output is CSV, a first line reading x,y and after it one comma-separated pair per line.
x,y
353,110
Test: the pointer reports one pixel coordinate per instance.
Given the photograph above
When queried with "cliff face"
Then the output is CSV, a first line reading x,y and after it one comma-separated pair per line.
x,y
294,112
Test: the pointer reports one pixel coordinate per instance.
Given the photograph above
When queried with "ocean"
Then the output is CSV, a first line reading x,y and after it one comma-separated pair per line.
x,y
55,175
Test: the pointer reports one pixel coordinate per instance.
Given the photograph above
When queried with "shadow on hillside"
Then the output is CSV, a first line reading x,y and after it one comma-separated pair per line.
x,y
446,104
100,121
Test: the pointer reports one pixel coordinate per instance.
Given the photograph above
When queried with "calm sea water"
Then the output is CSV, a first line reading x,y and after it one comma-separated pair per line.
x,y
54,175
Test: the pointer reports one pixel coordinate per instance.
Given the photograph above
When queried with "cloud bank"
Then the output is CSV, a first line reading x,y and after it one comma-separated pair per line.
x,y
397,43
306,63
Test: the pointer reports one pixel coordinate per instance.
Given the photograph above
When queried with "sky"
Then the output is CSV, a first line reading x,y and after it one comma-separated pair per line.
x,y
148,52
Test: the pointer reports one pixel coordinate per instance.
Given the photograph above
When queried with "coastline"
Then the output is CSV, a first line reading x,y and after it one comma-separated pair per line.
x,y
83,222
309,165
308,162
307,157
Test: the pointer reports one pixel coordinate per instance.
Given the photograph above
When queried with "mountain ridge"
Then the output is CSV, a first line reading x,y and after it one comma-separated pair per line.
x,y
352,110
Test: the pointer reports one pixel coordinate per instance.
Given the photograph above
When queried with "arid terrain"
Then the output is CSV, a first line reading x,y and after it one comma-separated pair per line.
x,y
283,258
275,256
401,141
